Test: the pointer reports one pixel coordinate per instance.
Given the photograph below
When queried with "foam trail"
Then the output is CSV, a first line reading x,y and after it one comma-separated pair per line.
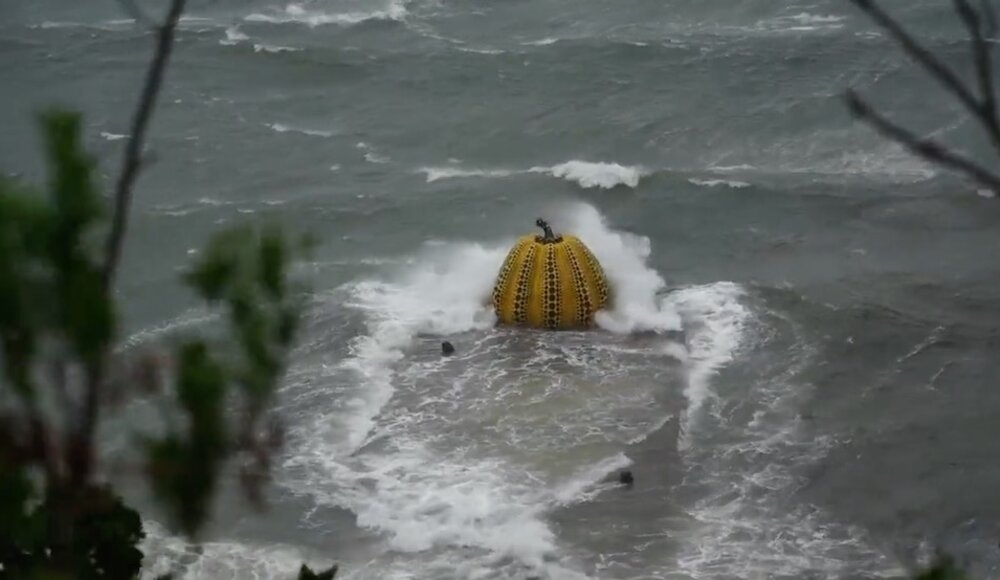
x,y
715,321
438,173
234,36
282,128
586,174
717,182
437,495
166,553
448,293
296,13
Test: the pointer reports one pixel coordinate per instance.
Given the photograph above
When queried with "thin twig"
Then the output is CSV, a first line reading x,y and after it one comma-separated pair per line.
x,y
984,70
925,148
926,58
133,151
80,453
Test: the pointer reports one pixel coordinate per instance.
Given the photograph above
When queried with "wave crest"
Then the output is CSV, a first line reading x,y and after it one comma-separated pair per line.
x,y
295,13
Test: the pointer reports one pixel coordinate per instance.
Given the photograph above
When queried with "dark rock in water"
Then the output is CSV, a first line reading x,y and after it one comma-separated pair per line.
x,y
626,479
447,348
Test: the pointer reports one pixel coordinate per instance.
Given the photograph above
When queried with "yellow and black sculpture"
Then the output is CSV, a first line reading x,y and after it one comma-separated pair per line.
x,y
551,282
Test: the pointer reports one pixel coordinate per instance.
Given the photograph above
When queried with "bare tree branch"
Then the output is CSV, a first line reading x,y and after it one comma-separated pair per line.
x,y
983,106
133,150
80,449
934,66
984,71
924,148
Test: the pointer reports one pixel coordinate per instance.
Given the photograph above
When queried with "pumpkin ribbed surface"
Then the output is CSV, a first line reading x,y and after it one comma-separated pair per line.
x,y
550,283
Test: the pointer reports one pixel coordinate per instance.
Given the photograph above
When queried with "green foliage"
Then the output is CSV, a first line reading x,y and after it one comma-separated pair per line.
x,y
50,282
243,270
57,328
83,307
103,536
184,467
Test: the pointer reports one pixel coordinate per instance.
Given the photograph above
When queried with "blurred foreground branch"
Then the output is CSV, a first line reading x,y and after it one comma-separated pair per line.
x,y
979,101
132,160
60,374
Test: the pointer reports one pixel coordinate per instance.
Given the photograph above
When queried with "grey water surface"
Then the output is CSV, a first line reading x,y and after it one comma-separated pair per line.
x,y
831,410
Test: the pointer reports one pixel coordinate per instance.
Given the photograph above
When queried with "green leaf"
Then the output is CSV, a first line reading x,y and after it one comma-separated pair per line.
x,y
86,313
106,537
184,467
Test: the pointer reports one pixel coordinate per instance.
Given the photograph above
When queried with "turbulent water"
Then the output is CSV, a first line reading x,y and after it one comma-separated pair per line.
x,y
799,364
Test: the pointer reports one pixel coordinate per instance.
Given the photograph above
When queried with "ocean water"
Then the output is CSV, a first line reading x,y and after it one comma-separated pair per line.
x,y
799,366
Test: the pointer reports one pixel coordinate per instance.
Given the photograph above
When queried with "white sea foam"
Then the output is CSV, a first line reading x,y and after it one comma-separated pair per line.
x,y
600,174
635,306
166,553
113,136
445,294
718,182
371,155
386,449
274,49
806,18
732,168
743,527
187,320
282,128
715,322
234,36
297,13
541,42
437,173
586,174
490,51
213,202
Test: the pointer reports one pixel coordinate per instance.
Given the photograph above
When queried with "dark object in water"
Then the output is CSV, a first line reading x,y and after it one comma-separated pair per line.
x,y
626,479
447,348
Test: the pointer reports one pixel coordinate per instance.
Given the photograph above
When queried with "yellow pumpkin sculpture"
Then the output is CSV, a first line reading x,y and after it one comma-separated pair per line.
x,y
551,282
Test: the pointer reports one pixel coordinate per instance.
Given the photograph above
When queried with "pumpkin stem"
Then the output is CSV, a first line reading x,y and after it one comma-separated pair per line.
x,y
549,236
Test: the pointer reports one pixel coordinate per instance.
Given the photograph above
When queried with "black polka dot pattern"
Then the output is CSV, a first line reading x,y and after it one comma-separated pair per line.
x,y
602,281
503,279
563,290
584,314
523,286
551,298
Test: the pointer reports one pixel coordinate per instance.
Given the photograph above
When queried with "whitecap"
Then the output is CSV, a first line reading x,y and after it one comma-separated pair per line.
x,y
600,174
382,447
234,36
371,155
437,173
296,13
541,42
490,51
274,49
166,553
717,182
586,174
113,136
282,128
